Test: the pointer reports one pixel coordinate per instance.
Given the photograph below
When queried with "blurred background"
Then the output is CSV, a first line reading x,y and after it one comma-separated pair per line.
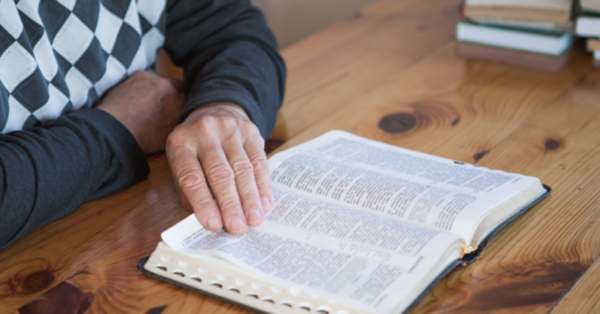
x,y
293,20
290,21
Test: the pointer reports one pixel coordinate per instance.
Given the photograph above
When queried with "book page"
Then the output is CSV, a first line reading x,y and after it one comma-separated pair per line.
x,y
405,185
355,258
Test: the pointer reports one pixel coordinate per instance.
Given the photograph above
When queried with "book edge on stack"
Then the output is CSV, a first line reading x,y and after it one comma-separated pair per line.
x,y
531,41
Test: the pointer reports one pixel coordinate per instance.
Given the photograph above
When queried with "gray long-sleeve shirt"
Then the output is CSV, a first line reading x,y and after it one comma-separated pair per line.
x,y
49,169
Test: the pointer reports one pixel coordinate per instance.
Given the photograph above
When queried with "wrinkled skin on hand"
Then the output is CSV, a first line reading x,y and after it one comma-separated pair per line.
x,y
148,106
217,148
216,151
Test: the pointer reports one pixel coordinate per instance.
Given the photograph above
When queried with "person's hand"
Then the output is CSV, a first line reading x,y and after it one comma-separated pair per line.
x,y
148,106
218,148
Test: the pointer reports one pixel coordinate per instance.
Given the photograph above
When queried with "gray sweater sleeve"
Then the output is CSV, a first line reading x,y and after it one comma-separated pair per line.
x,y
49,171
229,55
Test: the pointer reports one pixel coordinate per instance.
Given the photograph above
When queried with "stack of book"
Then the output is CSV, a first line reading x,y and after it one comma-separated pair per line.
x,y
588,25
538,26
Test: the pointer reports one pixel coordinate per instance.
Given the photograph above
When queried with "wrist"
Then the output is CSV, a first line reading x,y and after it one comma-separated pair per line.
x,y
124,121
218,109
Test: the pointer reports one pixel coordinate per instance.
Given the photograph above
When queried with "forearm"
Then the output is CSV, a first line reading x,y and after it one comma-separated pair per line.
x,y
51,170
229,56
255,90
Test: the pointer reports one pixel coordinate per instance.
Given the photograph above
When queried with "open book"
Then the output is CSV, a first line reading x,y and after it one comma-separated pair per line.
x,y
358,226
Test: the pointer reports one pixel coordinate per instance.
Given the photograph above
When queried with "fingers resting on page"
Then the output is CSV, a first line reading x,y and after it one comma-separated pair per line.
x,y
217,148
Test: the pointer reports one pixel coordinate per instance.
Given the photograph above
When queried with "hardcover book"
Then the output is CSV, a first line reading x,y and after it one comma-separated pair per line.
x,y
592,6
531,10
548,42
588,26
357,226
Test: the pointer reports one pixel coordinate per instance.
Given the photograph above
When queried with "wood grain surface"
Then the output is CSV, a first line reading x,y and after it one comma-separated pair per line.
x,y
393,73
583,297
339,64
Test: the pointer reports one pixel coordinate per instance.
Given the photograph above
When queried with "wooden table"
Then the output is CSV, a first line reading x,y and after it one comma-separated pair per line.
x,y
397,59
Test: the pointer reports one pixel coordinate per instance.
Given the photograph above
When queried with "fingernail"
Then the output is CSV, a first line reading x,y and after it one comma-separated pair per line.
x,y
237,224
214,223
266,203
254,216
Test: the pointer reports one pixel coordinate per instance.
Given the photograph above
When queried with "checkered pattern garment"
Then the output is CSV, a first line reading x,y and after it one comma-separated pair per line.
x,y
61,55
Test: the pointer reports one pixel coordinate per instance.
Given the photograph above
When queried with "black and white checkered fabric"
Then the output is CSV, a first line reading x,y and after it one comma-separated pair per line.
x,y
61,55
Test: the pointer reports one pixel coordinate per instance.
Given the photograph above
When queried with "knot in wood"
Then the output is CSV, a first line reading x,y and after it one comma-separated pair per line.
x,y
156,310
552,144
477,156
398,122
37,281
